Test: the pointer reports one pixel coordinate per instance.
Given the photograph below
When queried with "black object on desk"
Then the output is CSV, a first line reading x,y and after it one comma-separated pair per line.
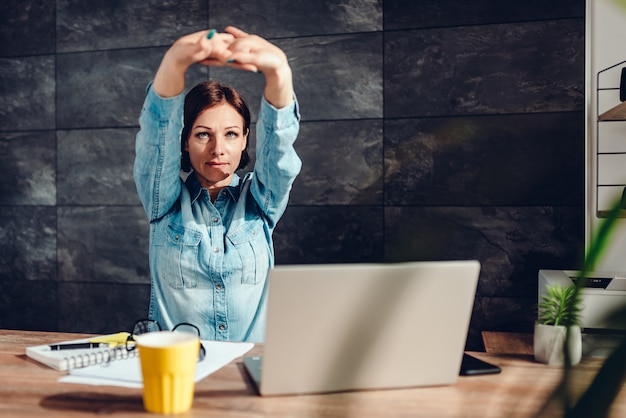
x,y
74,346
472,366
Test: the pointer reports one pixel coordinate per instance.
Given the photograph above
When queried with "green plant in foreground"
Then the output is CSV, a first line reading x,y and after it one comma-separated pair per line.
x,y
597,398
560,306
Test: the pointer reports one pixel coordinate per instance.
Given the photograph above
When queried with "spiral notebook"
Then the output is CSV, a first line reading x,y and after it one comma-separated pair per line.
x,y
63,356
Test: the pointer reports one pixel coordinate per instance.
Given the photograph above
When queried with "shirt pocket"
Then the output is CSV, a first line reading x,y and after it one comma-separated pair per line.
x,y
253,250
177,259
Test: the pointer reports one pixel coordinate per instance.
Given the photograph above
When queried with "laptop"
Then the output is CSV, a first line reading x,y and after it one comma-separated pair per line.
x,y
340,327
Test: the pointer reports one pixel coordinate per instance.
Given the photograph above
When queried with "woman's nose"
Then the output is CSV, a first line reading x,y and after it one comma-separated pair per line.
x,y
217,147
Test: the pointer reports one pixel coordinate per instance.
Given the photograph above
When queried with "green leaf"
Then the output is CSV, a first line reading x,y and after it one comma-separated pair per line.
x,y
598,397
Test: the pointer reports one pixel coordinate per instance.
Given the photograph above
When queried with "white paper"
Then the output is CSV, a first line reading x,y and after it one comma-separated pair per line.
x,y
127,373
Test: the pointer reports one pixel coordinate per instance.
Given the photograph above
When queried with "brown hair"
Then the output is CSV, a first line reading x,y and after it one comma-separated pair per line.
x,y
204,96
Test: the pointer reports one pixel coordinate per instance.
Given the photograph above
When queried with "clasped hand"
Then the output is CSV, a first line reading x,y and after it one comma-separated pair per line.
x,y
233,47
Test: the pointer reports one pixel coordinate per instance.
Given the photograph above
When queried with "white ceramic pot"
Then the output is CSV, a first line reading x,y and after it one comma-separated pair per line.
x,y
549,341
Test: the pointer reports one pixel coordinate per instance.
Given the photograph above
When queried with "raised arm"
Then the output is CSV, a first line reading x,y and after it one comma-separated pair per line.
x,y
253,51
203,47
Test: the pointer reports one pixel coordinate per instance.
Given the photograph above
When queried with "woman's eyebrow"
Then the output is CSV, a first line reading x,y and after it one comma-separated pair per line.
x,y
210,129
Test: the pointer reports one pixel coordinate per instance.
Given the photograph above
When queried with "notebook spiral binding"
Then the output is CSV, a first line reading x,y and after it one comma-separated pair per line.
x,y
98,357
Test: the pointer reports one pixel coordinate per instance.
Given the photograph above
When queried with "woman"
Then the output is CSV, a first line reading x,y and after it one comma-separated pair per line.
x,y
211,235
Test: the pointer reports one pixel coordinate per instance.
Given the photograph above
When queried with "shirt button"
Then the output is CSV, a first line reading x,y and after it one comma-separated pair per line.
x,y
219,287
222,327
216,249
215,220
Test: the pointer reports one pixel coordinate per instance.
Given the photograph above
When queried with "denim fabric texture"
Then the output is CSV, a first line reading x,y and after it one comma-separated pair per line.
x,y
209,260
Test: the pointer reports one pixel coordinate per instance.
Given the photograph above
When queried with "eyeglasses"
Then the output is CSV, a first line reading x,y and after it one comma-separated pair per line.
x,y
145,326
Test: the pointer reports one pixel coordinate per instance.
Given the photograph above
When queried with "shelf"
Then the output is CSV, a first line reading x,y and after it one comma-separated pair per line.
x,y
608,195
617,113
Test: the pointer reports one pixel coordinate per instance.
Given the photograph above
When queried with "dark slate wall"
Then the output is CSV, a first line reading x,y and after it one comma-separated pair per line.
x,y
432,130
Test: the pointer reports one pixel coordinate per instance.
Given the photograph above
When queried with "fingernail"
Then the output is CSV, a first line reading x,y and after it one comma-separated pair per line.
x,y
211,33
230,61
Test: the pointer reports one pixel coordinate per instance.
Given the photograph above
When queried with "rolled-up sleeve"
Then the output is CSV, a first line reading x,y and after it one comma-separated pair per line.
x,y
277,163
157,153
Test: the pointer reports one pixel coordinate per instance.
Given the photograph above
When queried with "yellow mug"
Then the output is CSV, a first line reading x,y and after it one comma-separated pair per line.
x,y
168,364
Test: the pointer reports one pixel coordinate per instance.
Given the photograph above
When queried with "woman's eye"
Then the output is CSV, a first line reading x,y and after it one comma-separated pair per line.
x,y
232,135
202,135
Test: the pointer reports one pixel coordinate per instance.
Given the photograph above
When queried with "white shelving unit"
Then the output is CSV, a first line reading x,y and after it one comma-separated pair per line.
x,y
605,27
611,143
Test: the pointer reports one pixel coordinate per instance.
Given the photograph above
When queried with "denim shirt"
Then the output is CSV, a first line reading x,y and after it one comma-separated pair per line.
x,y
209,260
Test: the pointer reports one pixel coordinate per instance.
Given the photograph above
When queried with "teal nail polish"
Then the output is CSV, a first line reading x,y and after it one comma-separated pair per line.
x,y
211,33
230,61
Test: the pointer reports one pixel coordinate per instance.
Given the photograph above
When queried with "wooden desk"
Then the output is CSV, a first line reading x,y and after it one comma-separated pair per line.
x,y
28,388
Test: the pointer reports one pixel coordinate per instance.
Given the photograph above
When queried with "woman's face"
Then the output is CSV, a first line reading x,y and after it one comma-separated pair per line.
x,y
215,144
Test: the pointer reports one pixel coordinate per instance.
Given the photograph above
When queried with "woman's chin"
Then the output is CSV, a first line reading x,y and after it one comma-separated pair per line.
x,y
213,179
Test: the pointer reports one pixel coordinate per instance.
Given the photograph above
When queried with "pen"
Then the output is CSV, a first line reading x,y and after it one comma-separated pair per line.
x,y
73,346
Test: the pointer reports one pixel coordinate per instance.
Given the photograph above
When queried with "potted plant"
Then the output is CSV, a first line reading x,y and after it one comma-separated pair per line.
x,y
559,314
597,397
